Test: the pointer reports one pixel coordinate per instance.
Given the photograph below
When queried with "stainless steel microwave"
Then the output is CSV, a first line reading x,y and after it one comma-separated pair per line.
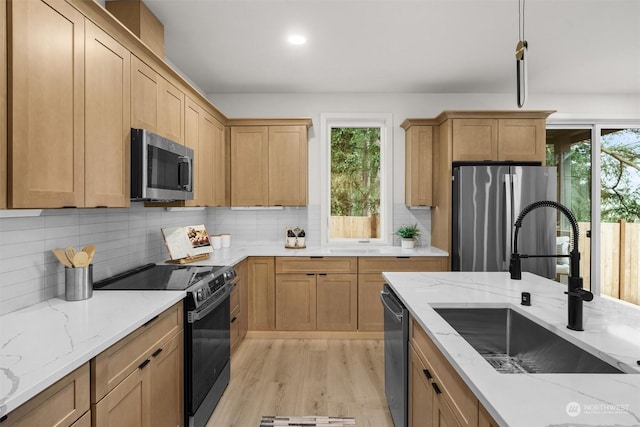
x,y
160,168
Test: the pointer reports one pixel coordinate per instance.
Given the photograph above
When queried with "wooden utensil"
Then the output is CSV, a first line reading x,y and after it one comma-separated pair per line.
x,y
62,257
91,251
70,252
80,259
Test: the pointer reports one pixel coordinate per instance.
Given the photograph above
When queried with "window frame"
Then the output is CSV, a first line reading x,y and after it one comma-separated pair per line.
x,y
384,121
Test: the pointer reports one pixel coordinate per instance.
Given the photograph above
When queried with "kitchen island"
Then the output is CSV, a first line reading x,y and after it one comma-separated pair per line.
x,y
611,333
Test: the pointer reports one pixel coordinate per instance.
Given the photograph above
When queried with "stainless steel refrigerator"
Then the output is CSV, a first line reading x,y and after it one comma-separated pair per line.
x,y
486,201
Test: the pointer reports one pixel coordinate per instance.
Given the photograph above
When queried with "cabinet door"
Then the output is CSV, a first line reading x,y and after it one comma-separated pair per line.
x,y
207,181
192,139
218,164
46,92
337,302
370,312
262,294
475,139
166,384
127,405
242,280
522,139
420,393
288,166
145,87
484,419
249,166
83,421
296,302
171,112
107,120
3,105
419,166
442,414
61,404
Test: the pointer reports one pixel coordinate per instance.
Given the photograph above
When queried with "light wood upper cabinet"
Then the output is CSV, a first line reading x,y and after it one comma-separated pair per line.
x,y
249,166
171,112
3,105
145,87
107,120
475,139
218,165
192,139
499,139
269,163
46,98
288,165
156,104
419,166
522,139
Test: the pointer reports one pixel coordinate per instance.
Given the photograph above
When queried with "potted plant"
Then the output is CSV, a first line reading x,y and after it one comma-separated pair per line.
x,y
408,234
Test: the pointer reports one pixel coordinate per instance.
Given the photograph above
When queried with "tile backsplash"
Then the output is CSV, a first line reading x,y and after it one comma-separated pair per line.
x,y
129,237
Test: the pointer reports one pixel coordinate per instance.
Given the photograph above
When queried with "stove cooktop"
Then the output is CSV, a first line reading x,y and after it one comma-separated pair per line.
x,y
154,277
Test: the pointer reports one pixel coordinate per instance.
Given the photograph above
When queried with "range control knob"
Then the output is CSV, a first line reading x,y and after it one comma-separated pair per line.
x,y
199,295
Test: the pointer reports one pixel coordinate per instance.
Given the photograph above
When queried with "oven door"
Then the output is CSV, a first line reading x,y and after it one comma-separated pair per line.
x,y
207,356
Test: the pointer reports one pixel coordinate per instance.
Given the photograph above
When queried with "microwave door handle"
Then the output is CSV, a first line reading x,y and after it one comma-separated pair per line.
x,y
186,160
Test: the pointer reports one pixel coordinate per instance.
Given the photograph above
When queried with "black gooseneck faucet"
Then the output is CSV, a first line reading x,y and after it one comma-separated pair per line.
x,y
575,291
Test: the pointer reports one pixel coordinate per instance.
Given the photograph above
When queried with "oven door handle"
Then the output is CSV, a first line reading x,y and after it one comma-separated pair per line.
x,y
194,316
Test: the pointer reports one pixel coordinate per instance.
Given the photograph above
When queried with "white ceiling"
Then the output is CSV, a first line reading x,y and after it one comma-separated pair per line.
x,y
404,46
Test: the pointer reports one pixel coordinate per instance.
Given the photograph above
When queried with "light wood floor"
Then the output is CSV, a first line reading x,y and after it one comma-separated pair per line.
x,y
305,377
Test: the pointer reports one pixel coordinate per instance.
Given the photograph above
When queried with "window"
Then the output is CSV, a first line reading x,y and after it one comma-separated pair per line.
x,y
356,179
599,180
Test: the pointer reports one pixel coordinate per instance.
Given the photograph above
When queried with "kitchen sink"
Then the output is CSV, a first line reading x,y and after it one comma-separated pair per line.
x,y
512,343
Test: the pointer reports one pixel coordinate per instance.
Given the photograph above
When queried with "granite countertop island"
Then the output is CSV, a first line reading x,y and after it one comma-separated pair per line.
x,y
611,331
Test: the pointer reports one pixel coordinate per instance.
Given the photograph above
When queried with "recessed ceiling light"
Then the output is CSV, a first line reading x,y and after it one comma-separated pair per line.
x,y
297,39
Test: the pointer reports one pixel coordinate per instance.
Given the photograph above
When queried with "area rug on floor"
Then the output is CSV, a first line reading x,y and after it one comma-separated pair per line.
x,y
312,421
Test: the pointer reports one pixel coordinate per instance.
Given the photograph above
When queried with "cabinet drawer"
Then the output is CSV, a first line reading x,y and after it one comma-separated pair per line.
x,y
59,405
234,299
113,365
331,264
459,397
380,264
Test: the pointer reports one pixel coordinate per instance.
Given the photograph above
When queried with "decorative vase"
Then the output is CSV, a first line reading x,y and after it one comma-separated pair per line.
x,y
408,243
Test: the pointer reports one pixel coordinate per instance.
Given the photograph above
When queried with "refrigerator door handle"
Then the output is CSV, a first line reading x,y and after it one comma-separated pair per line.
x,y
508,215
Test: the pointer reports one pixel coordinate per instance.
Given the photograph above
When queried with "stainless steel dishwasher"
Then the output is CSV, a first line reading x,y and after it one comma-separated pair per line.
x,y
396,351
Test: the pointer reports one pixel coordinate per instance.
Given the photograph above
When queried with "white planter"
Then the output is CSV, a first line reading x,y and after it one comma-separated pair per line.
x,y
408,243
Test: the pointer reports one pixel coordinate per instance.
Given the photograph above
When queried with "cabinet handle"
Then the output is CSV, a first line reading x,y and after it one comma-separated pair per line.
x,y
310,274
403,257
316,257
143,364
157,352
234,319
436,388
151,320
427,374
3,418
69,207
101,206
322,274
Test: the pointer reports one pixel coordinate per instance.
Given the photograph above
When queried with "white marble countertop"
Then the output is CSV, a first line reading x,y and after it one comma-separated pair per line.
x,y
612,331
233,255
42,343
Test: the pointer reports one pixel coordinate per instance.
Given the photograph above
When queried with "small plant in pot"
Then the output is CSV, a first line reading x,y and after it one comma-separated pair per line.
x,y
408,235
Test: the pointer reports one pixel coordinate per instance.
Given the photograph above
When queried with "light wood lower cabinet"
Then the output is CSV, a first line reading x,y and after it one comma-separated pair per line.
x,y
295,302
262,294
484,419
139,380
239,306
59,405
433,382
336,302
370,283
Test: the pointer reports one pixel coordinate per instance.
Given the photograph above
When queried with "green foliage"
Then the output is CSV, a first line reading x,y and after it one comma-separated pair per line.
x,y
620,178
408,232
355,171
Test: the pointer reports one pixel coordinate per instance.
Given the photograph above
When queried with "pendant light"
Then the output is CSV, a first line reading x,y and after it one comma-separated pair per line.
x,y
521,61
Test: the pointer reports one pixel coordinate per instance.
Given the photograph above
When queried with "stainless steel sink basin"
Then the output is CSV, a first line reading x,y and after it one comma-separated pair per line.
x,y
511,343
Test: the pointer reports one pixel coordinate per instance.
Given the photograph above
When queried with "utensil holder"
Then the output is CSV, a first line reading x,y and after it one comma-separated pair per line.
x,y
78,283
